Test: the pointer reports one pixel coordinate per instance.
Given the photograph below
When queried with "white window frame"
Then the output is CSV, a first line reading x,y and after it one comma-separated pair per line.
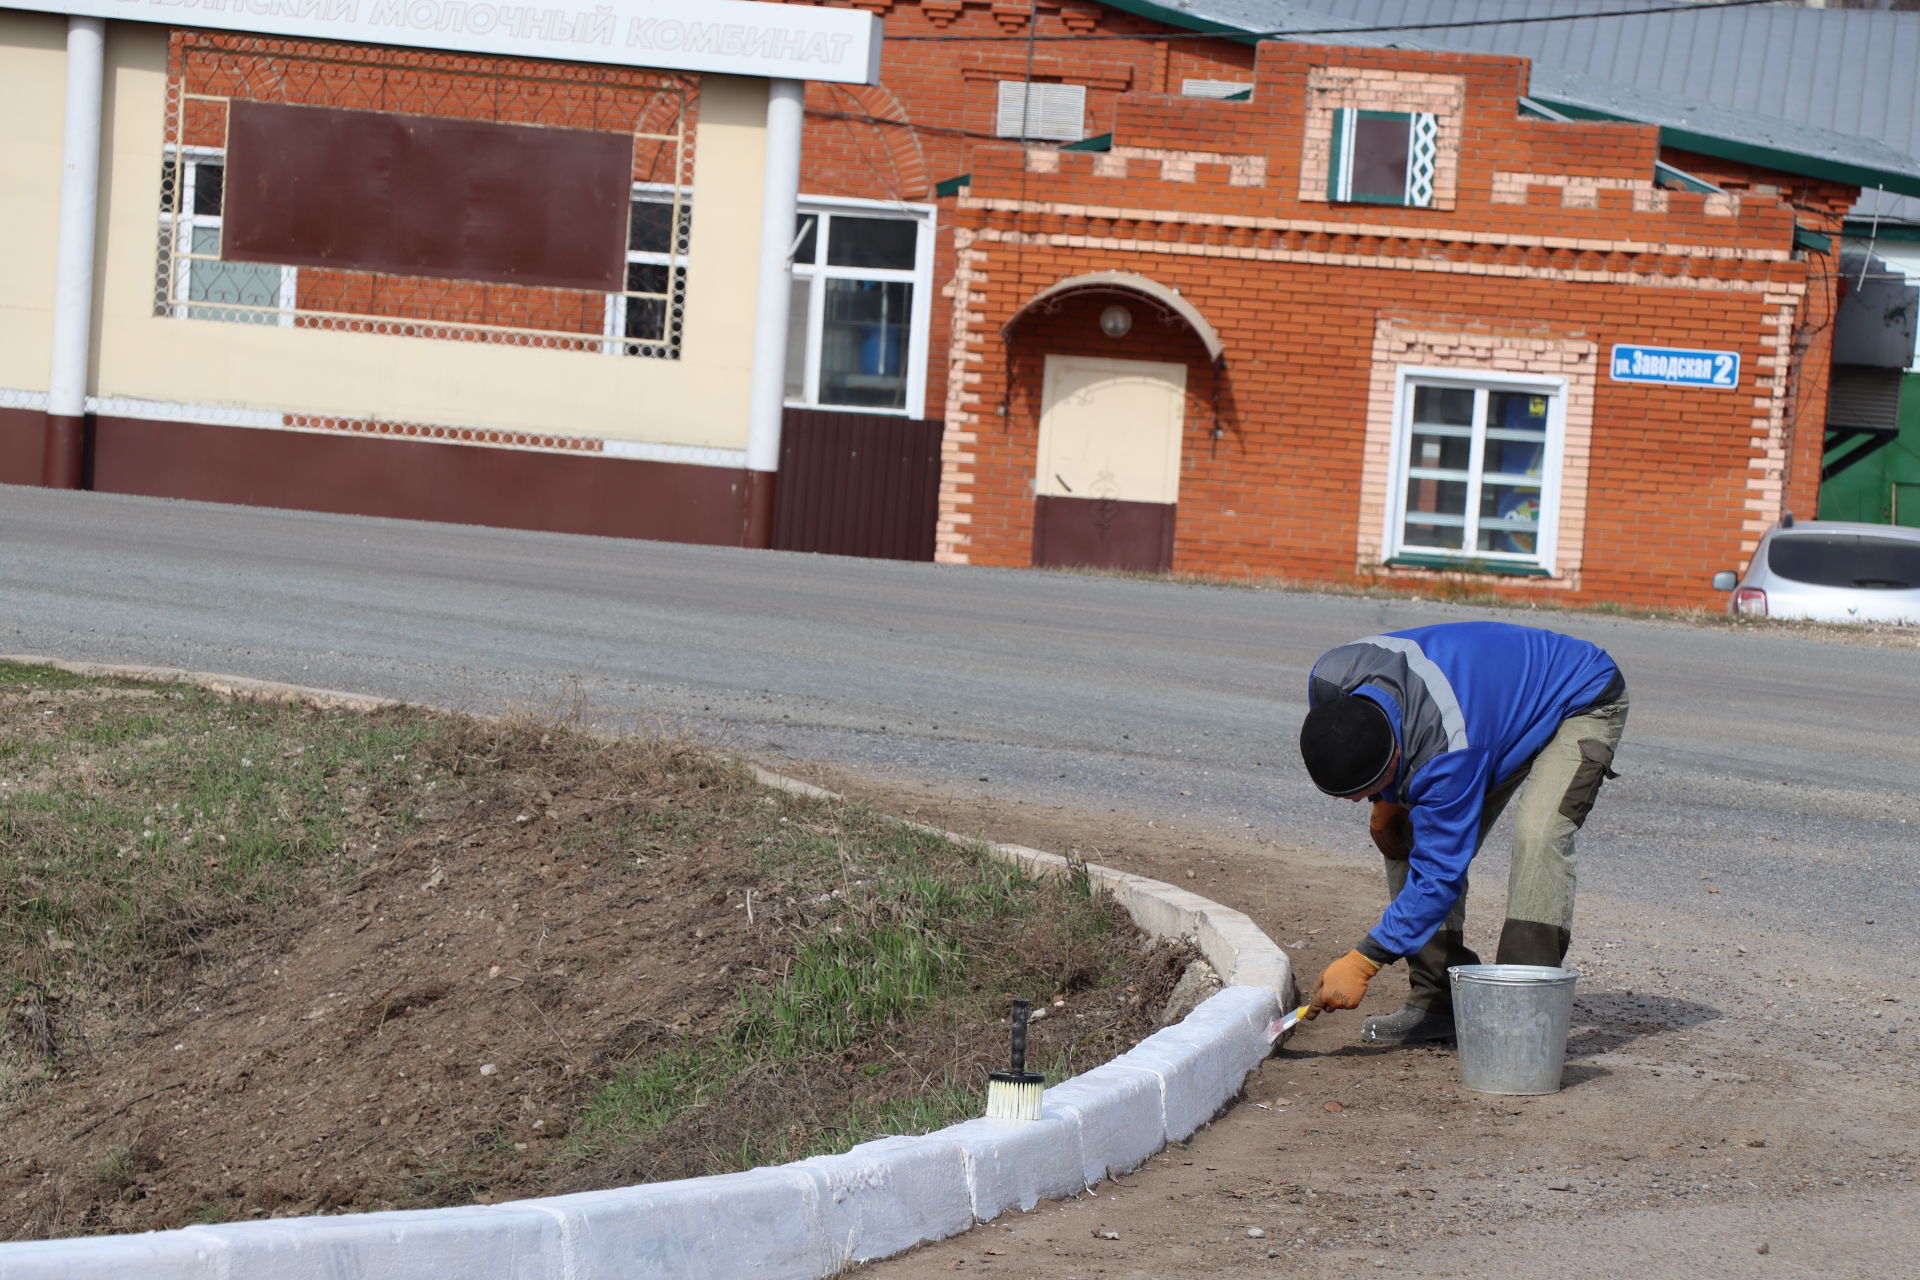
x,y
920,277
1047,111
675,259
1401,470
181,258
1423,158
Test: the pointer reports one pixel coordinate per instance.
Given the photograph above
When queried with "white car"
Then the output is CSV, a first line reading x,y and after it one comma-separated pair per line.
x,y
1830,571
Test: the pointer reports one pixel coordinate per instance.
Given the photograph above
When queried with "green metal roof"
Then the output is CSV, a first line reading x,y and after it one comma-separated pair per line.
x,y
1846,69
1685,123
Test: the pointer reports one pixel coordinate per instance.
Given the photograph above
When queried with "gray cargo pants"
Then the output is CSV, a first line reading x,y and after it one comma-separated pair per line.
x,y
1556,790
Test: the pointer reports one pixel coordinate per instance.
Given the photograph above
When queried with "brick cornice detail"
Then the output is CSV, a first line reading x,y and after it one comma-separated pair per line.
x,y
1003,66
1078,20
1012,15
1488,246
1519,258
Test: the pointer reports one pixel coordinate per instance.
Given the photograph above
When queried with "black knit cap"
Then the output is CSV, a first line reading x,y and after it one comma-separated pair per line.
x,y
1348,745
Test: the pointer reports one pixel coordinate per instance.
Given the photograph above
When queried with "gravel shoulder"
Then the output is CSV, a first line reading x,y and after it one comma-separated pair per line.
x,y
1732,1105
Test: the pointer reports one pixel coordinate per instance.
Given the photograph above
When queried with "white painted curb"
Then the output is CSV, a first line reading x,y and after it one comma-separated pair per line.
x,y
799,1221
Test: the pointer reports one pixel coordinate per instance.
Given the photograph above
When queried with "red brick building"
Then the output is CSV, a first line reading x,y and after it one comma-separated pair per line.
x,y
1073,282
889,151
1361,323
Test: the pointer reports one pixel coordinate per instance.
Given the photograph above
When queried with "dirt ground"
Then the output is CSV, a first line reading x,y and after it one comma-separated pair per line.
x,y
1730,1107
420,1023
419,1033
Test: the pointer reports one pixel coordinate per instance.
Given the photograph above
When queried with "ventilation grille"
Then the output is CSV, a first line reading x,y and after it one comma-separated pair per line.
x,y
1055,112
1864,398
1213,88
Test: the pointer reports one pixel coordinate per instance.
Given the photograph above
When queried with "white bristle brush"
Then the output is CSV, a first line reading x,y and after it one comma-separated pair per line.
x,y
1015,1094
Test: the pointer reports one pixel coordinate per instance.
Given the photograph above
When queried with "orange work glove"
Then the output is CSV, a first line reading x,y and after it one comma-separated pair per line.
x,y
1344,984
1391,829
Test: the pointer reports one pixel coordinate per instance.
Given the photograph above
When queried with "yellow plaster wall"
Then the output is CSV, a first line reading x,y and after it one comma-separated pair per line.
x,y
699,400
33,79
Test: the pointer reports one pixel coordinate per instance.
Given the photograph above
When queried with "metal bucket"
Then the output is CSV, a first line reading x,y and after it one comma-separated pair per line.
x,y
1510,1021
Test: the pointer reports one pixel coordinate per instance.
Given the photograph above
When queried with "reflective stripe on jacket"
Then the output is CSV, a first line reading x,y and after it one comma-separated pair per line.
x,y
1471,703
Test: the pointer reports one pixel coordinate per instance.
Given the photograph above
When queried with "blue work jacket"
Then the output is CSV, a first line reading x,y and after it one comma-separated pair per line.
x,y
1471,704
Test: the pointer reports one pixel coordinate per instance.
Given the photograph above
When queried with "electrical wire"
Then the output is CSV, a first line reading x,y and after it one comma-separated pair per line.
x,y
932,130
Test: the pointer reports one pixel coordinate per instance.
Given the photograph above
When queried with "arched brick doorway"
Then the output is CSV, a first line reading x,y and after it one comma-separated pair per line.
x,y
1105,362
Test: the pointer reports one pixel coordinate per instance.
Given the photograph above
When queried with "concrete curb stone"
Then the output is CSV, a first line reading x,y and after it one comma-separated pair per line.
x,y
813,1218
476,1242
1017,1166
760,1222
156,1255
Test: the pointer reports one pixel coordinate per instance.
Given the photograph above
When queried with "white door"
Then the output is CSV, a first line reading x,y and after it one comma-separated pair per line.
x,y
1111,429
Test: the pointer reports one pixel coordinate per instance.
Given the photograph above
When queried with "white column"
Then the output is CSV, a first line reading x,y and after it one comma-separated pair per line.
x,y
79,195
779,200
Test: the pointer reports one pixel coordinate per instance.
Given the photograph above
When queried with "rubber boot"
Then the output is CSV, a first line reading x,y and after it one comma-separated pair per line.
x,y
1428,1013
1529,942
1411,1025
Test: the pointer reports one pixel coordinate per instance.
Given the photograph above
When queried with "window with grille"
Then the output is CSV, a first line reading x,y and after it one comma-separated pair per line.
x,y
1383,157
658,227
1476,468
200,284
856,332
1050,112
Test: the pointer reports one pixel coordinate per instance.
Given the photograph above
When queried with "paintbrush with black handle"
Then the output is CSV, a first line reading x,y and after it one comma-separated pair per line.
x,y
1014,1094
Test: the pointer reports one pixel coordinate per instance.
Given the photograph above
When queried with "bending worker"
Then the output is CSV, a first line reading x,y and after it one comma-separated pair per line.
x,y
1440,727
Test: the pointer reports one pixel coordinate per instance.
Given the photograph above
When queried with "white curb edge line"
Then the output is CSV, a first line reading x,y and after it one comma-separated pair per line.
x,y
800,1221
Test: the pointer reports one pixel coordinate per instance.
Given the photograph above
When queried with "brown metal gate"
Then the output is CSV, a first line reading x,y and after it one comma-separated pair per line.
x,y
857,484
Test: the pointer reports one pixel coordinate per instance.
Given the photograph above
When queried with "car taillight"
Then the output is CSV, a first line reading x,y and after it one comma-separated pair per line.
x,y
1751,600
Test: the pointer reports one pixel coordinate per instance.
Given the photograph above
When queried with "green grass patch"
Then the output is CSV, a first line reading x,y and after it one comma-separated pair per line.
x,y
933,1106
137,816
904,928
29,675
213,1213
643,1100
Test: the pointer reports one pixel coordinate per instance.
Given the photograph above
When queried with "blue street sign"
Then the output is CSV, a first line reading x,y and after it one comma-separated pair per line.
x,y
1677,367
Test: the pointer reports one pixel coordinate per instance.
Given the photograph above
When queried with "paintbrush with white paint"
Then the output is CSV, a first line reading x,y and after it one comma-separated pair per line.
x,y
1277,1029
1015,1094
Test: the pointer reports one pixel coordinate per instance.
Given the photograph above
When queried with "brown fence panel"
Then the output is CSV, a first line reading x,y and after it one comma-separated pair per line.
x,y
857,484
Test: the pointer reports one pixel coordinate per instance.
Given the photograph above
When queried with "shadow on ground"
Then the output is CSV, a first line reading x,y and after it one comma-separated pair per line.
x,y
1607,1020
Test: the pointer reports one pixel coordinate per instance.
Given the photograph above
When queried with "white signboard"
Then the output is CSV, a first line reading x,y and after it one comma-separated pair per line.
x,y
727,37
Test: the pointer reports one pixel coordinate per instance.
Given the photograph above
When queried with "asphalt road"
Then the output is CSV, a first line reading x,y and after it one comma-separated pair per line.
x,y
1777,760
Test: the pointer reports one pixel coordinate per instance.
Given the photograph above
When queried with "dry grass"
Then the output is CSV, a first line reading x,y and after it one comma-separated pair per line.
x,y
483,958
